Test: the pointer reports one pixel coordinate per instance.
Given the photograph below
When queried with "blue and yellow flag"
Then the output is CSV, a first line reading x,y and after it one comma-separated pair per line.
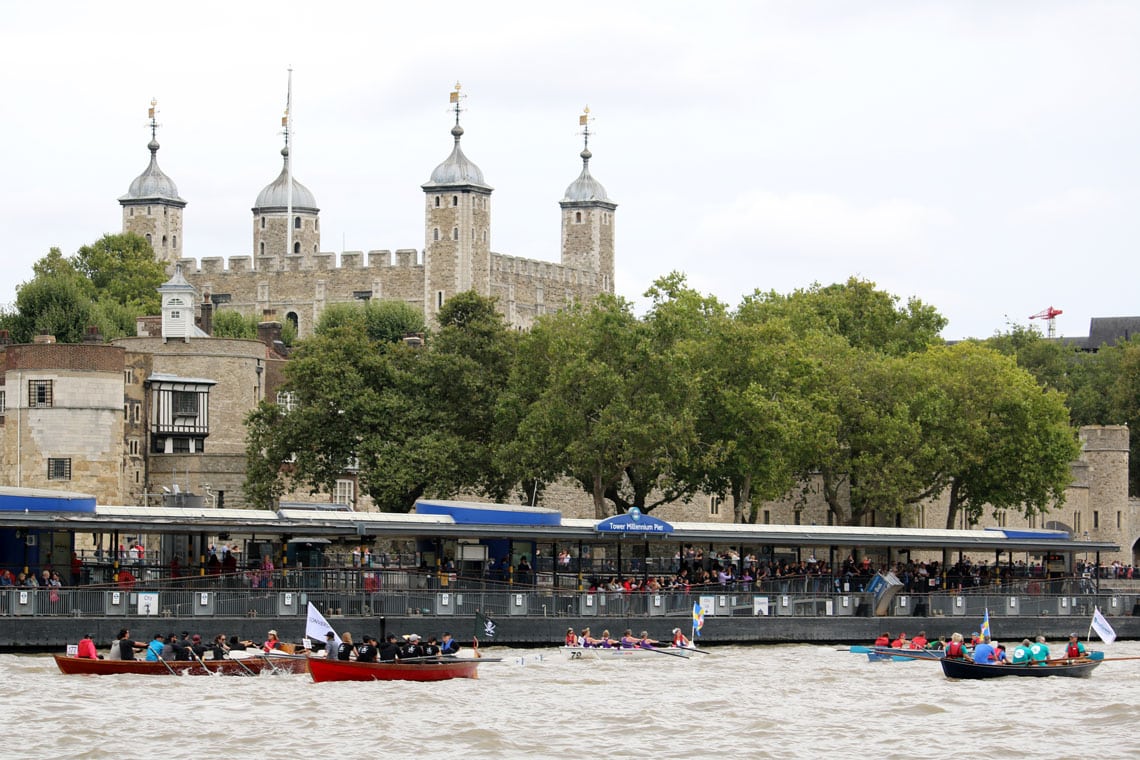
x,y
985,630
698,618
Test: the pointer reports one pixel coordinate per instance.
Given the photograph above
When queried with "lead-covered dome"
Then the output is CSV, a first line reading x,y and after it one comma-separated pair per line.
x,y
153,184
457,169
586,188
275,195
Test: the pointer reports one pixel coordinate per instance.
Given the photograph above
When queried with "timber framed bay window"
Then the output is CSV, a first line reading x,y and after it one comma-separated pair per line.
x,y
179,414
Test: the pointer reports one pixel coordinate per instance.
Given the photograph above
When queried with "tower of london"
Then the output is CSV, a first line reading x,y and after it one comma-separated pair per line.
x,y
287,277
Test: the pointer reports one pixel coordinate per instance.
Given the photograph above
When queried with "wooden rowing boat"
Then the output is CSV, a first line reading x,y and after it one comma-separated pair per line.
x,y
964,669
617,653
246,666
425,669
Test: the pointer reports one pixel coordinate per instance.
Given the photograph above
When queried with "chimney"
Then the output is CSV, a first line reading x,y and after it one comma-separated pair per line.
x,y
92,335
206,321
269,333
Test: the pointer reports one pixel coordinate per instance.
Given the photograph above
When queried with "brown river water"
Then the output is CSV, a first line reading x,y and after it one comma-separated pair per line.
x,y
737,702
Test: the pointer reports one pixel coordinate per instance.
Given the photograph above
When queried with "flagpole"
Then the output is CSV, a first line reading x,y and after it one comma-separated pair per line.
x,y
288,124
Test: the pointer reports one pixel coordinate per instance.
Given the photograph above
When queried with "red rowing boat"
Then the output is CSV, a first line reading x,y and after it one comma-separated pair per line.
x,y
247,666
434,670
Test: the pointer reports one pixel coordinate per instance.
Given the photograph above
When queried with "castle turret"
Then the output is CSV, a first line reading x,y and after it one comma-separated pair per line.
x,y
271,218
151,207
179,299
588,220
457,248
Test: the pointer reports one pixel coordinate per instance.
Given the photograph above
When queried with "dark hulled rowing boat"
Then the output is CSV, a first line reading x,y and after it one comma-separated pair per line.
x,y
964,669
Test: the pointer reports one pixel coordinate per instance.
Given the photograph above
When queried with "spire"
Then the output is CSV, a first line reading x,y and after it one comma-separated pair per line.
x,y
457,169
153,184
585,188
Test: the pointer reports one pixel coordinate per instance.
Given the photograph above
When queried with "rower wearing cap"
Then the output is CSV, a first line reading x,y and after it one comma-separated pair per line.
x,y
368,651
680,639
448,645
272,642
390,649
412,648
1075,649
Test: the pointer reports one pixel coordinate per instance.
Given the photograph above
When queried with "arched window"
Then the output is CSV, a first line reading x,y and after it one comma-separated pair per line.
x,y
577,217
132,211
435,234
455,200
297,247
263,222
164,241
148,238
296,222
437,201
455,233
174,241
291,317
261,248
148,210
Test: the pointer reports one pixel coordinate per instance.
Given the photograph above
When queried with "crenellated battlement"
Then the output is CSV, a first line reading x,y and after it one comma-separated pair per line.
x,y
404,258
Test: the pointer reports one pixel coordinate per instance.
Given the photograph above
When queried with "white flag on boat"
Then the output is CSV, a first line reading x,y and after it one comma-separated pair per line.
x,y
1101,626
316,627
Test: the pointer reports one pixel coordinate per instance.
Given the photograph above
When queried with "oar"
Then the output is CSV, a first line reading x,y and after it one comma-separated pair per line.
x,y
199,661
269,661
167,664
904,653
242,664
859,650
1102,658
663,651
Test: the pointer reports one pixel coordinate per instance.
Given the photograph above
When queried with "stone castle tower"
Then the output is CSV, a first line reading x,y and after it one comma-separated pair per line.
x,y
287,277
272,236
151,207
457,227
588,220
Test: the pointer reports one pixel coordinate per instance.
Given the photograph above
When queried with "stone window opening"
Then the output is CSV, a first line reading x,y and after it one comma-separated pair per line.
x,y
297,247
59,469
577,217
39,394
455,233
261,248
263,222
296,222
435,233
454,200
437,201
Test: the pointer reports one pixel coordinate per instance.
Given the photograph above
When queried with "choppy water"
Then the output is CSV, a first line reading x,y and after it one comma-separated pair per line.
x,y
739,702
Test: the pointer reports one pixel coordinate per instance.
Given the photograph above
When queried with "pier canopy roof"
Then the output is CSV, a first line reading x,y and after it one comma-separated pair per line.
x,y
443,519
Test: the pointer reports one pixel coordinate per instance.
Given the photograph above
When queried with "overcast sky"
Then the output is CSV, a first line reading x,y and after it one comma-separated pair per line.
x,y
980,156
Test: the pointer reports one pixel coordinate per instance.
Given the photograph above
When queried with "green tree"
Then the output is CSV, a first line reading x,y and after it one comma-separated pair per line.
x,y
996,438
107,285
596,397
122,268
382,321
413,421
234,324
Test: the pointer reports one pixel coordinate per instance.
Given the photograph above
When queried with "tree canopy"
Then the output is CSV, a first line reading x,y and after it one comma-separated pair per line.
x,y
107,284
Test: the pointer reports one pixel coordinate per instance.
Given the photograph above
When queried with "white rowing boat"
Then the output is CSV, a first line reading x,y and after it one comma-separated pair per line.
x,y
616,653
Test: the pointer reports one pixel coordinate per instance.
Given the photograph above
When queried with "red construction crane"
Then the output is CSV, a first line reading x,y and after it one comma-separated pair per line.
x,y
1050,315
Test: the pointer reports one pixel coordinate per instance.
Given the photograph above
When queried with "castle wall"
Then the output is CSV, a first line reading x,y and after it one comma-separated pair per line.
x,y
158,222
79,424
